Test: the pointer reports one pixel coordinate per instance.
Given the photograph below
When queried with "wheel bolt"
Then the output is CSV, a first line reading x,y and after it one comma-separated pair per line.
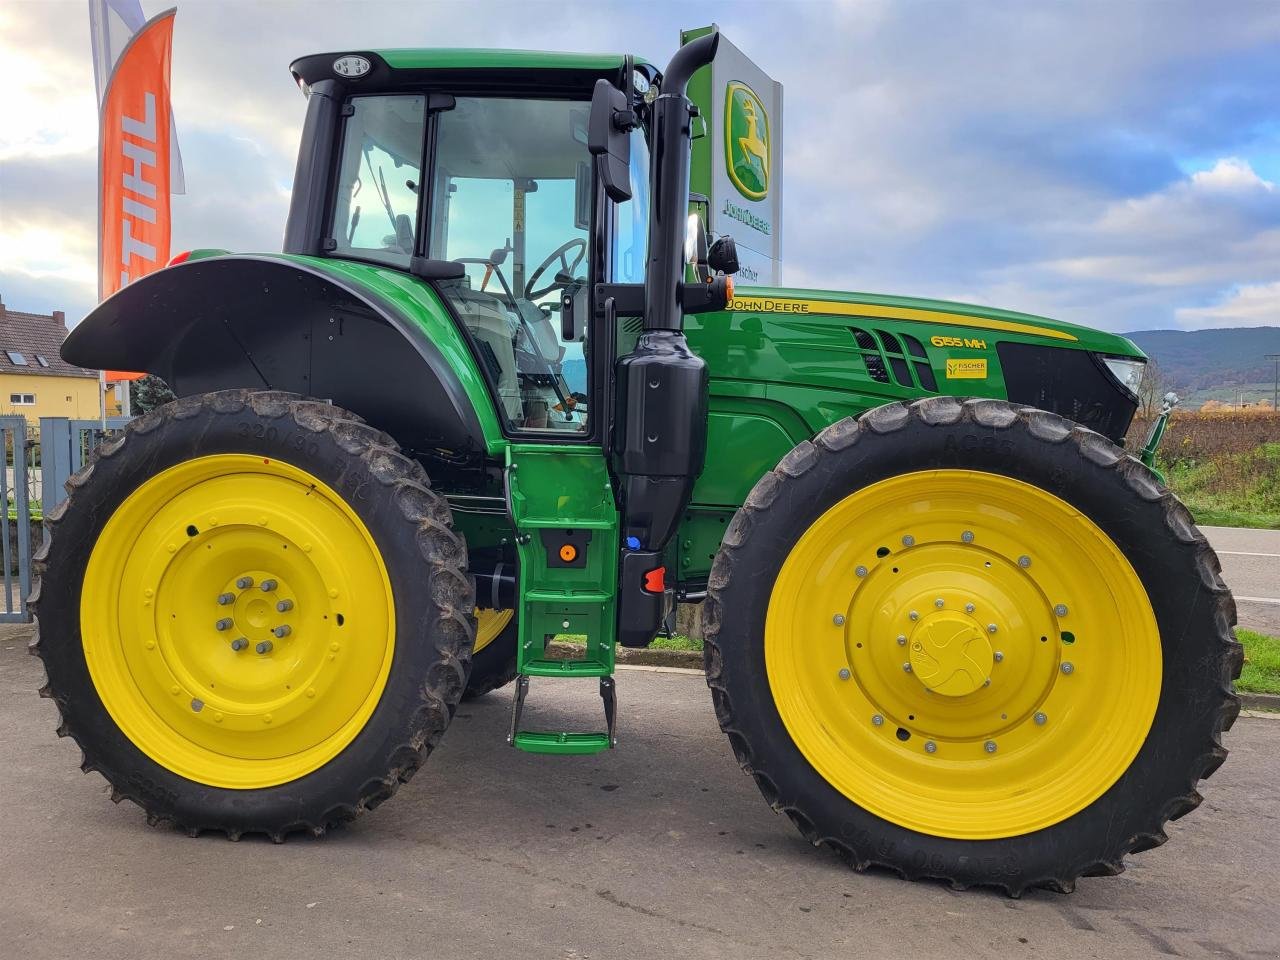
x,y
284,606
844,673
1067,667
998,656
989,746
239,643
877,720
244,583
223,624
1024,561
913,615
939,603
225,598
268,585
967,536
969,608
1041,719
991,628
264,647
902,641
1060,609
930,747
906,668
908,541
838,619
861,571
282,630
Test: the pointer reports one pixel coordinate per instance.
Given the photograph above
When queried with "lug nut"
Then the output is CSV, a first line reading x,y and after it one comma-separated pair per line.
x,y
223,624
877,720
913,615
906,668
1060,609
282,630
844,673
998,656
969,608
902,641
1024,561
268,585
225,598
1041,719
930,747
239,643
244,583
989,746
284,606
991,628
967,536
838,619
264,647
1067,667
908,541
861,571
939,603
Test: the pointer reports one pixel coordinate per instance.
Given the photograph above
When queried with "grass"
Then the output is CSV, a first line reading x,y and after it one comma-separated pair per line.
x,y
1232,489
1261,671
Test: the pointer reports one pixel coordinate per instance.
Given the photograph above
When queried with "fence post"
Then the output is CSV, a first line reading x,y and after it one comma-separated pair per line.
x,y
55,460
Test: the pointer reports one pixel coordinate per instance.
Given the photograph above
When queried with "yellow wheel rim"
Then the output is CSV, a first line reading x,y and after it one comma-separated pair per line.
x,y
238,622
962,654
489,624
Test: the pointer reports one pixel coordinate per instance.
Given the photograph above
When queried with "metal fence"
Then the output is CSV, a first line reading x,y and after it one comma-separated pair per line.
x,y
15,541
64,447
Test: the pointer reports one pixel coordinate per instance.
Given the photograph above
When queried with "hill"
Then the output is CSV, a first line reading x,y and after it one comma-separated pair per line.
x,y
1196,362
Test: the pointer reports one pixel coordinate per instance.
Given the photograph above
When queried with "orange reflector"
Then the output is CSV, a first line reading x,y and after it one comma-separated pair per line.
x,y
655,581
728,288
568,553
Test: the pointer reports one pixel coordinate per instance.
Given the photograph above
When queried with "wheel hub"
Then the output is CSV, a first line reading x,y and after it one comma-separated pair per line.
x,y
950,654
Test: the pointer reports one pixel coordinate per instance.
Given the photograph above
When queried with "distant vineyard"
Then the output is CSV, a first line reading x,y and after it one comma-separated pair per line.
x,y
1203,436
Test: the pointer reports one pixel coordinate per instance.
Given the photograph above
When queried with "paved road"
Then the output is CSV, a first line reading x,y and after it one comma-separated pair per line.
x,y
1251,567
660,849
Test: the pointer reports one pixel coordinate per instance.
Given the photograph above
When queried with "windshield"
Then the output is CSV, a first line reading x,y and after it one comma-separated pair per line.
x,y
375,213
512,199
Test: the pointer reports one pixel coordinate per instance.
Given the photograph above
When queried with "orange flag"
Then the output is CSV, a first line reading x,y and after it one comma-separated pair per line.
x,y
133,162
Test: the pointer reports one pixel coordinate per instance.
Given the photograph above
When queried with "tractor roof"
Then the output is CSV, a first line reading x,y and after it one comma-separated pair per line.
x,y
460,58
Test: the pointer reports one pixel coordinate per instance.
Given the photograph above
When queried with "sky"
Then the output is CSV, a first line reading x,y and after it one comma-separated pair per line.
x,y
1112,163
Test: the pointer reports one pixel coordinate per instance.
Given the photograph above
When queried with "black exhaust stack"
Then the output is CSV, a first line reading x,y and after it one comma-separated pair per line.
x,y
662,386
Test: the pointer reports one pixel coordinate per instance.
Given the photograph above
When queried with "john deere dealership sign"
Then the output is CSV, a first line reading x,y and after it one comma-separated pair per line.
x,y
739,164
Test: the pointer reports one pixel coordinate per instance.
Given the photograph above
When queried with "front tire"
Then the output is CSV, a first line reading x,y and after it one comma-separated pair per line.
x,y
971,641
254,614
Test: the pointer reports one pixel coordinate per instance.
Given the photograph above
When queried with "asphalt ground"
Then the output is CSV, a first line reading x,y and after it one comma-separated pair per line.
x,y
1251,567
661,848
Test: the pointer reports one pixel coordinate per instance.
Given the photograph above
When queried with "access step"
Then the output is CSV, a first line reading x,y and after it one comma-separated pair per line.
x,y
566,742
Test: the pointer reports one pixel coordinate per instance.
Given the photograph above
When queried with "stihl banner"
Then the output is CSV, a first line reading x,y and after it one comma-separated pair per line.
x,y
134,143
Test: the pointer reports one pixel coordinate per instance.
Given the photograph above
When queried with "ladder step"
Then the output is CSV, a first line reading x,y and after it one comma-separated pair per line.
x,y
567,668
561,597
538,741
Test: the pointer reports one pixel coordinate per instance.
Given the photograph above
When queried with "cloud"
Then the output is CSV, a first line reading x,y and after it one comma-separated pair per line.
x,y
1251,305
1096,162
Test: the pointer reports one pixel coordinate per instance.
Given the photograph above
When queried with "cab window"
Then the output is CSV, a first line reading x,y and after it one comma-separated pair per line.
x,y
511,199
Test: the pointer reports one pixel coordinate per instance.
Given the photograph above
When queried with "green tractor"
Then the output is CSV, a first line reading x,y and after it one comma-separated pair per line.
x,y
498,388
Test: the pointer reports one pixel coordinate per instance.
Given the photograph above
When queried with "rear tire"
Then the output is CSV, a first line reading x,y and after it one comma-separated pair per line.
x,y
1066,468
299,750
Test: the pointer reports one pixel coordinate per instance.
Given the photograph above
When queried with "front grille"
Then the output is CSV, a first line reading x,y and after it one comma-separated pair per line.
x,y
1071,383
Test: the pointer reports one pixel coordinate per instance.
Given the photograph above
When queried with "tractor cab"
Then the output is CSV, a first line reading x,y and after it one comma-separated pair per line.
x,y
439,164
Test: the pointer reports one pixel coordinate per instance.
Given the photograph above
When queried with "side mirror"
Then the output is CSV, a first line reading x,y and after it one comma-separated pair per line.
x,y
722,257
609,138
695,247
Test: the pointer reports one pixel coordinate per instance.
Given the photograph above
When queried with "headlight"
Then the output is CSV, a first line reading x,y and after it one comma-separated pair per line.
x,y
1127,370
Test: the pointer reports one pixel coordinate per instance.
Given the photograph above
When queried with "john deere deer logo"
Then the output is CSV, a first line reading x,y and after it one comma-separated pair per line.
x,y
746,141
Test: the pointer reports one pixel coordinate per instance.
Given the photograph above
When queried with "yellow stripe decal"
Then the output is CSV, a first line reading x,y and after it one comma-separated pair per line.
x,y
837,308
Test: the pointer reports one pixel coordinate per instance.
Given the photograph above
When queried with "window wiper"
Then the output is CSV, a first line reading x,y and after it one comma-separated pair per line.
x,y
380,184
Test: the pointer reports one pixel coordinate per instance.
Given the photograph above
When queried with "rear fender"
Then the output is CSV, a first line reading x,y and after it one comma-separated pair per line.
x,y
367,338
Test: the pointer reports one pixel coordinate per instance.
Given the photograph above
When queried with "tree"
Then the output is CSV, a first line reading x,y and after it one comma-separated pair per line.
x,y
1151,394
148,393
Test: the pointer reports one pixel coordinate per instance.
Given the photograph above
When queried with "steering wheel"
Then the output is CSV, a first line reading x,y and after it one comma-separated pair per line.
x,y
561,253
